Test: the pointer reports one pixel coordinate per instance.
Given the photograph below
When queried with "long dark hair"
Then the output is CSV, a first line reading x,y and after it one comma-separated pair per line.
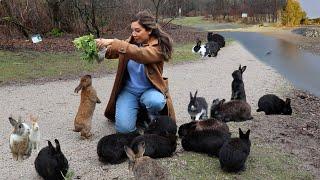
x,y
147,21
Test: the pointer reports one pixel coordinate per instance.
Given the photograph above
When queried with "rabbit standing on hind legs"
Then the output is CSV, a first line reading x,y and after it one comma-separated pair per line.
x,y
34,133
88,101
237,85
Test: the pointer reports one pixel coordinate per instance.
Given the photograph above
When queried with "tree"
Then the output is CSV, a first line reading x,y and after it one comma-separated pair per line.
x,y
157,5
292,13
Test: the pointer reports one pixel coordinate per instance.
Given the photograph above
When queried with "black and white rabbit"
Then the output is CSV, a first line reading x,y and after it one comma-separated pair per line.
x,y
51,162
206,141
209,124
198,48
234,110
198,107
237,85
161,125
233,154
110,147
156,146
272,104
19,141
211,48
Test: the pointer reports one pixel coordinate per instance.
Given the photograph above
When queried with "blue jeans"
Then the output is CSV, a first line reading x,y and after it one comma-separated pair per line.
x,y
128,104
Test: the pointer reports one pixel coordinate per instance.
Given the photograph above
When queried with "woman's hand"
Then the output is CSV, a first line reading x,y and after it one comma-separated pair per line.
x,y
103,42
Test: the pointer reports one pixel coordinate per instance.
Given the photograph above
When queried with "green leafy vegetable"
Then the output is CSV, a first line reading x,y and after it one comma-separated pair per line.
x,y
88,45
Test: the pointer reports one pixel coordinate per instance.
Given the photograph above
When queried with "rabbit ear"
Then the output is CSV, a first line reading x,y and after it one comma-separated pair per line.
x,y
58,149
288,101
13,122
195,94
243,69
129,153
51,148
240,133
191,96
89,76
33,118
240,67
247,134
215,102
141,149
221,102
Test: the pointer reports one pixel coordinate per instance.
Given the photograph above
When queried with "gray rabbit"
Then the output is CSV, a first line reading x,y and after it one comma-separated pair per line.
x,y
237,85
198,107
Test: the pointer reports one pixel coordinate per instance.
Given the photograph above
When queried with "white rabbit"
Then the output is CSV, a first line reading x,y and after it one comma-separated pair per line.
x,y
35,133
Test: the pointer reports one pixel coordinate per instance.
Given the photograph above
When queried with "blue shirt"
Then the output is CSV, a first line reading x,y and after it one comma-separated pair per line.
x,y
137,81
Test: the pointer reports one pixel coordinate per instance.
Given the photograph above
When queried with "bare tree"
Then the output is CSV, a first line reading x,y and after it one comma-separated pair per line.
x,y
157,4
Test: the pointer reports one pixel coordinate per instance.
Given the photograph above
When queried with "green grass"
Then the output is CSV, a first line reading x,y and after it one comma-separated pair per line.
x,y
29,65
263,163
190,21
182,53
206,25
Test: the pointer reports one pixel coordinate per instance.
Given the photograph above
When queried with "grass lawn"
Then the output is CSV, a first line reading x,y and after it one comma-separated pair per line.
x,y
206,25
29,65
264,162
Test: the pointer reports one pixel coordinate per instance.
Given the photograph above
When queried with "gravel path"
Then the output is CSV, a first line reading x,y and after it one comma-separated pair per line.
x,y
57,104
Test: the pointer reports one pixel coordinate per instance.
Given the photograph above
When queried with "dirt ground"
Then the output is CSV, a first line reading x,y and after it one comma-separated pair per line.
x,y
298,134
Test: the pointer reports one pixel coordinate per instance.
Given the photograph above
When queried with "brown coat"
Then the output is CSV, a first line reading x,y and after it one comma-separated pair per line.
x,y
149,55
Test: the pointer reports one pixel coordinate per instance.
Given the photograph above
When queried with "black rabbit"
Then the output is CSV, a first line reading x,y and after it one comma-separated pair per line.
x,y
212,49
161,125
272,104
234,110
198,107
237,85
156,146
51,162
206,141
209,124
216,38
233,154
110,147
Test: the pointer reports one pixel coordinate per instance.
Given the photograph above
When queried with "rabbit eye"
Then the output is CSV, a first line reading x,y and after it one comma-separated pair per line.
x,y
20,126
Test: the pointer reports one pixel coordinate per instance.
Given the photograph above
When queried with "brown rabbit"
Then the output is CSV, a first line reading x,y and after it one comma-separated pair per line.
x,y
144,167
89,98
234,110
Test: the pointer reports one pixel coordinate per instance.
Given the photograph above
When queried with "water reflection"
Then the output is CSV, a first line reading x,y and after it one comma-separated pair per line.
x,y
298,66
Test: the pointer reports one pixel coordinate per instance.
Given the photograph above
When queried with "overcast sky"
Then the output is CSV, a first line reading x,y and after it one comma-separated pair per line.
x,y
311,7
